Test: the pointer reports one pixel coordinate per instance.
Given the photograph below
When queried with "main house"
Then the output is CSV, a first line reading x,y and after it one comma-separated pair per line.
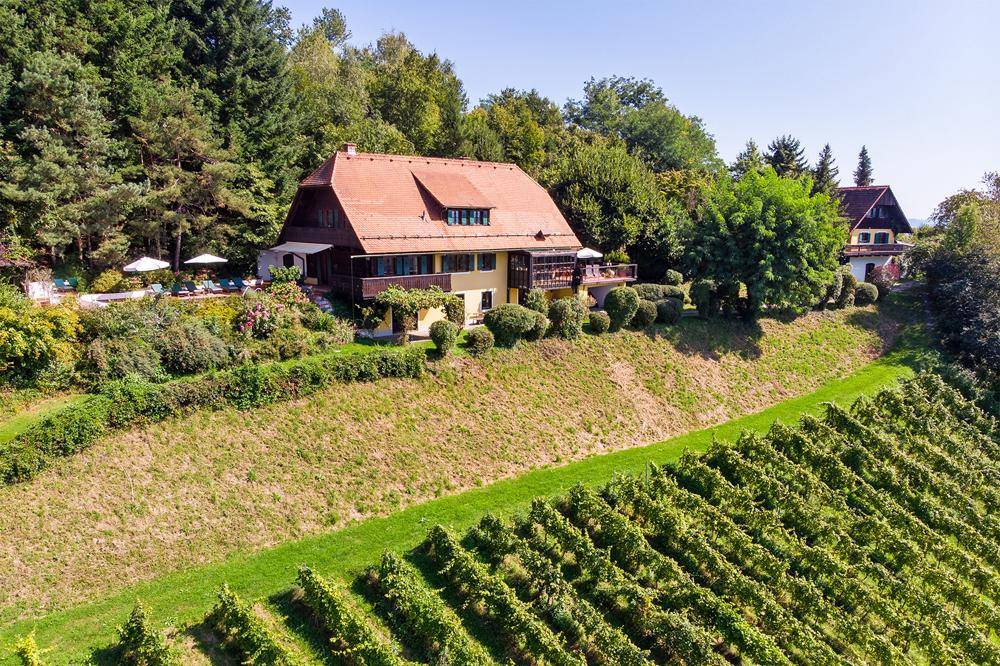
x,y
483,230
876,220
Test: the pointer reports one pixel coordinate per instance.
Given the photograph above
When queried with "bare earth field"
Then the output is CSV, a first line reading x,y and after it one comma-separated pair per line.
x,y
199,488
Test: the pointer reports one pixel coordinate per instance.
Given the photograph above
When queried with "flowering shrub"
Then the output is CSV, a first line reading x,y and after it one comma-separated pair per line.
x,y
281,274
259,317
289,295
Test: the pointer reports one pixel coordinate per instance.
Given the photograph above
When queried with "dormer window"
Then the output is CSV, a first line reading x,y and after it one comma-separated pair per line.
x,y
468,217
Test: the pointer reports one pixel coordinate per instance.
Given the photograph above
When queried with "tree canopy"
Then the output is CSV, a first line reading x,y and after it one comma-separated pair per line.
x,y
771,235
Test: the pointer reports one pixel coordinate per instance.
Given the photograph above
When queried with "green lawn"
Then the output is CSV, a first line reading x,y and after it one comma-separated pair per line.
x,y
185,596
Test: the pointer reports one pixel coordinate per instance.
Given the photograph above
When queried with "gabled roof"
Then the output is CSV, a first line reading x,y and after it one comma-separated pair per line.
x,y
855,202
394,204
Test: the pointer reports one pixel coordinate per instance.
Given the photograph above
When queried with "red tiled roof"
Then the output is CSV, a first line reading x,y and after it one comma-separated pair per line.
x,y
389,212
452,190
855,202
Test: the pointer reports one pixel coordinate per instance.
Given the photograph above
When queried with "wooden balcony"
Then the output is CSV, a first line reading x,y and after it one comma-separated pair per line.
x,y
372,286
876,249
592,274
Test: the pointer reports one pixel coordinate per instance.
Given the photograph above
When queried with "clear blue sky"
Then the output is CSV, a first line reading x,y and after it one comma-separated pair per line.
x,y
917,82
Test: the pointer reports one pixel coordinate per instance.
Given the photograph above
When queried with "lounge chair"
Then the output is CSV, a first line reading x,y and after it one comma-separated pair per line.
x,y
227,285
63,285
191,287
157,289
240,284
210,286
178,290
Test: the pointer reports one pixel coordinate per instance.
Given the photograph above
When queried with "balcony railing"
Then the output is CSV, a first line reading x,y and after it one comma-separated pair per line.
x,y
874,249
592,274
372,286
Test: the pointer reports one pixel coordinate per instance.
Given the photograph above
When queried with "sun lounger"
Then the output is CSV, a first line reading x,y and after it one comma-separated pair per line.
x,y
240,284
191,287
227,285
62,285
157,289
178,290
210,286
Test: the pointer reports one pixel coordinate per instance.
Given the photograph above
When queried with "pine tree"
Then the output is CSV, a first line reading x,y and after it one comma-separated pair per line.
x,y
863,174
748,160
64,174
786,155
190,175
825,172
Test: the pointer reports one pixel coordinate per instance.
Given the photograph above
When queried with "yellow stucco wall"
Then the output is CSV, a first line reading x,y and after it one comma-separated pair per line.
x,y
472,285
856,232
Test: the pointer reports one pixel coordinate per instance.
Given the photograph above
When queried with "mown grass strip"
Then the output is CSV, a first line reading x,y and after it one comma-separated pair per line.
x,y
23,420
186,596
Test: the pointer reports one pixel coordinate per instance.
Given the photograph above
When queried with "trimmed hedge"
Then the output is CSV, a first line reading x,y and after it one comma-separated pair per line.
x,y
128,402
621,304
669,310
509,323
600,322
645,314
865,294
657,292
540,328
479,341
567,316
673,277
443,335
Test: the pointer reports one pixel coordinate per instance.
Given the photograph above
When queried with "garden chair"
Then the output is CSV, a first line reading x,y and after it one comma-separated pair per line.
x,y
210,286
228,285
191,287
157,289
73,282
240,284
62,285
178,290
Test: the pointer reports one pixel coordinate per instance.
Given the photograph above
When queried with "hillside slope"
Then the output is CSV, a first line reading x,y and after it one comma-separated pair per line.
x,y
209,485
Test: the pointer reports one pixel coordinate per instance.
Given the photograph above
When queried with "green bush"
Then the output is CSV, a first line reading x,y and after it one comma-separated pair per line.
x,y
567,316
669,310
140,644
188,346
108,282
115,358
846,298
443,335
28,344
865,294
673,278
341,330
290,342
27,651
479,341
704,295
454,309
657,292
540,327
831,293
242,629
281,274
600,322
645,314
621,304
509,323
536,300
141,318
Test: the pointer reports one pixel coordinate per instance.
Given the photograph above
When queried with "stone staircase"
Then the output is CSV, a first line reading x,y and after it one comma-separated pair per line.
x,y
318,299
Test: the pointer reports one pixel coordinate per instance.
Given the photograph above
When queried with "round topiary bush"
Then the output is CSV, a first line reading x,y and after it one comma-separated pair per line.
x,y
479,341
536,300
621,304
567,316
645,314
540,328
673,278
600,322
865,294
443,335
846,297
509,323
668,311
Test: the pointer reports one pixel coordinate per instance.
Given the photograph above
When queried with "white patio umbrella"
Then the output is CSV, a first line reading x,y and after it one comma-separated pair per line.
x,y
145,264
587,253
206,259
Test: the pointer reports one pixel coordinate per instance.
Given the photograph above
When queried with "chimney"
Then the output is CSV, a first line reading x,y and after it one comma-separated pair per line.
x,y
351,148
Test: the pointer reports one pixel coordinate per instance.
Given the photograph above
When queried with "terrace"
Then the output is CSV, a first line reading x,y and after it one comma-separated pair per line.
x,y
560,269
